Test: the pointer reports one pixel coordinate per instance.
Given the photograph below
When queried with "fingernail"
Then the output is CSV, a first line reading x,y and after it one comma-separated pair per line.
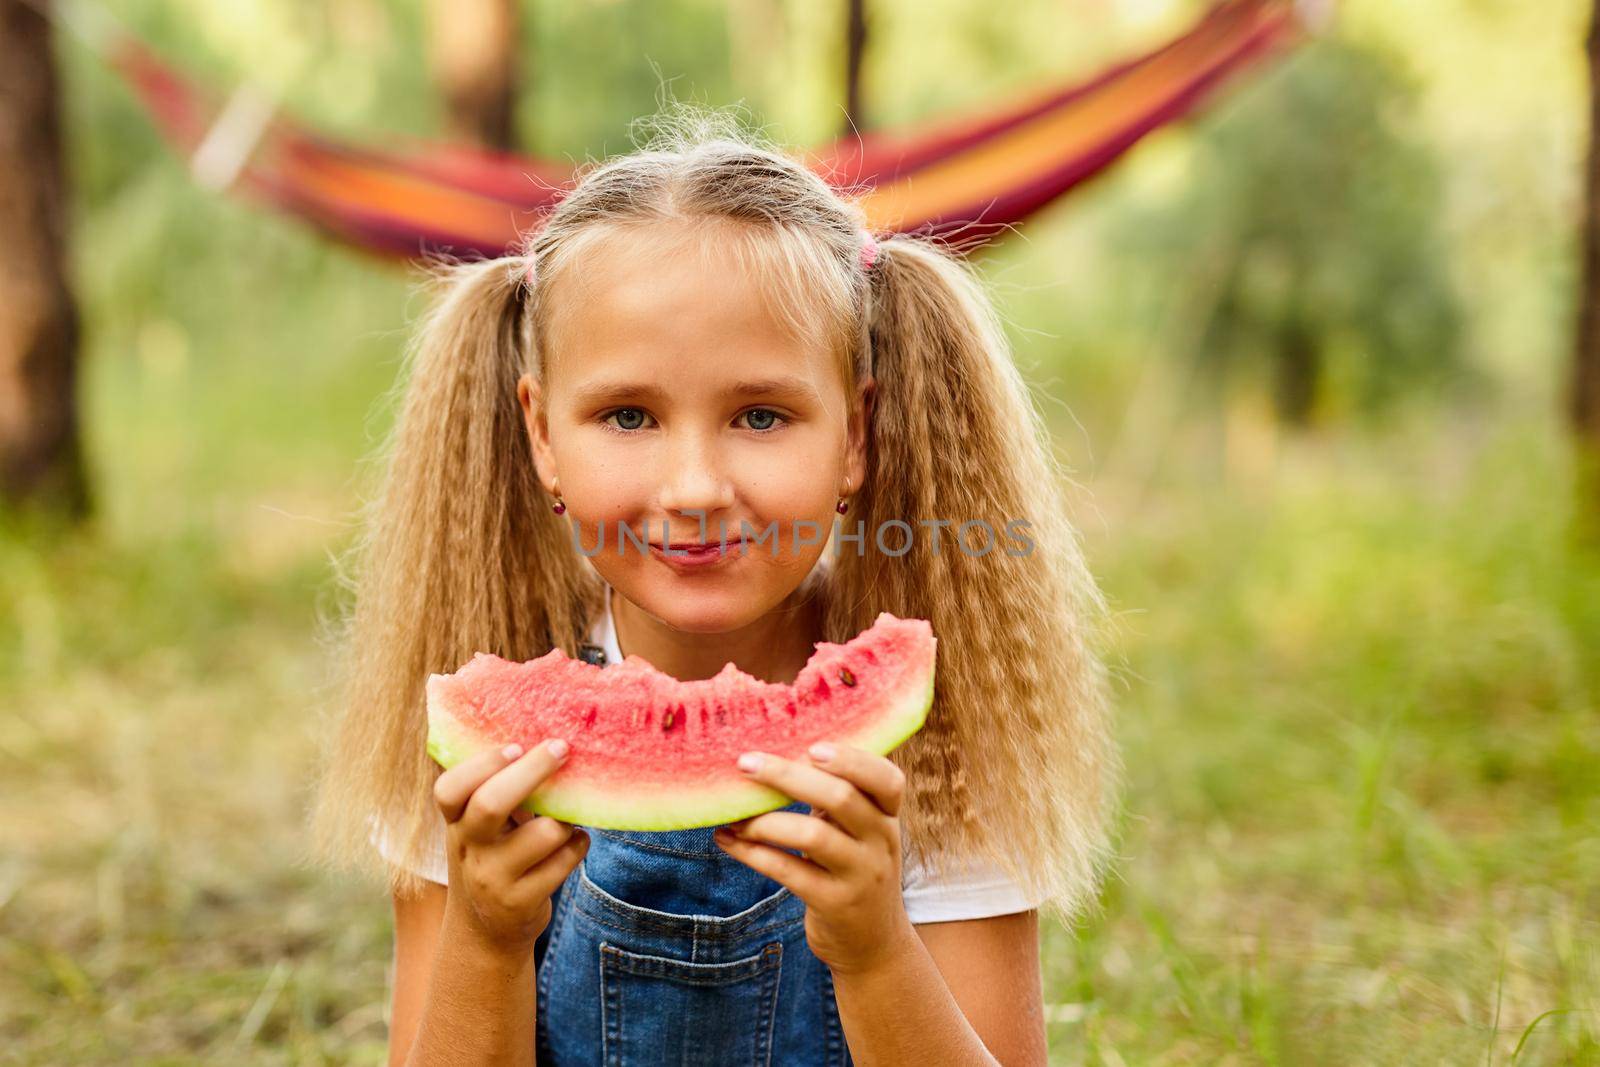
x,y
558,748
511,751
822,751
751,762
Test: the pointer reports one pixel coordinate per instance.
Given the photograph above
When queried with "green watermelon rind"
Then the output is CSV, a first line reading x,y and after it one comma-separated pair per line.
x,y
598,806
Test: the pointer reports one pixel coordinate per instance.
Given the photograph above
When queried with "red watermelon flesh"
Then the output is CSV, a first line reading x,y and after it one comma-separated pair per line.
x,y
650,752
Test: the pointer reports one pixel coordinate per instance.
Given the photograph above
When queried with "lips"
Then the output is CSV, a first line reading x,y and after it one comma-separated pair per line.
x,y
696,546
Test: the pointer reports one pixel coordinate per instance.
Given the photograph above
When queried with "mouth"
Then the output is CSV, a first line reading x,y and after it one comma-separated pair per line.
x,y
687,556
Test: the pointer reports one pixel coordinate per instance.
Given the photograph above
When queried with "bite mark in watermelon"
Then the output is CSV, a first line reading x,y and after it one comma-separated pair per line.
x,y
650,752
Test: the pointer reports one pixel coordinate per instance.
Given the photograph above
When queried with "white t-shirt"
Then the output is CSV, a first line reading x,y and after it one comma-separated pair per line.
x,y
975,893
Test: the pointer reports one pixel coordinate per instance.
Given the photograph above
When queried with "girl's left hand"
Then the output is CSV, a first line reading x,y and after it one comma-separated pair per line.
x,y
849,877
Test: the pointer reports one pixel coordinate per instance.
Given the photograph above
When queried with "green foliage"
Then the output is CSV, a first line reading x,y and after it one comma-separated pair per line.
x,y
593,64
1319,216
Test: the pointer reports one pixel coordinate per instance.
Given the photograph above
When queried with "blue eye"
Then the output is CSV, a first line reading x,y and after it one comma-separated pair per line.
x,y
628,414
762,419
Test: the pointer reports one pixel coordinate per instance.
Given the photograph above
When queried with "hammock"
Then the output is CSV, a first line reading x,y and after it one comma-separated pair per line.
x,y
961,179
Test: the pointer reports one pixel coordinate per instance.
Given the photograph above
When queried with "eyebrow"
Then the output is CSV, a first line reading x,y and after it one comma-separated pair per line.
x,y
616,392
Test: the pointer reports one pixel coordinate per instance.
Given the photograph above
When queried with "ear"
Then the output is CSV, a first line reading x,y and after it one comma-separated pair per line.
x,y
535,418
859,433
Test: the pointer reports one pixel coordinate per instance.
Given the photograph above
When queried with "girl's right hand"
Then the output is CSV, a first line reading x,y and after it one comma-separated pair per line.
x,y
504,863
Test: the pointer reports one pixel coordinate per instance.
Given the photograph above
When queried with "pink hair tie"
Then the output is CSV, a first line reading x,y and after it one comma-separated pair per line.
x,y
869,253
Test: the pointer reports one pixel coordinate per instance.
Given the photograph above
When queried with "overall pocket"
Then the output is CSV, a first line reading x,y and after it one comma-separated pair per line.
x,y
656,1010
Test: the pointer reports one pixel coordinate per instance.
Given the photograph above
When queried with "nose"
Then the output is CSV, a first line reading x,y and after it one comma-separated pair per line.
x,y
695,481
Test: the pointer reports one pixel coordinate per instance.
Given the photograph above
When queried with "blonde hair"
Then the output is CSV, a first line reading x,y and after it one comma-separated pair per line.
x,y
461,552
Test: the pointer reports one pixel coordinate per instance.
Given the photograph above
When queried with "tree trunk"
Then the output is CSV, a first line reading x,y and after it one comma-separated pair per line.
x,y
855,50
472,47
41,463
1299,357
1585,384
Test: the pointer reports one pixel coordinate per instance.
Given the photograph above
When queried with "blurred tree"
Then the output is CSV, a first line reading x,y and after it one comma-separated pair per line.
x,y
40,459
1585,396
1321,224
855,51
473,47
609,66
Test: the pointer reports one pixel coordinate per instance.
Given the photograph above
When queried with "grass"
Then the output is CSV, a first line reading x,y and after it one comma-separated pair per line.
x,y
1360,723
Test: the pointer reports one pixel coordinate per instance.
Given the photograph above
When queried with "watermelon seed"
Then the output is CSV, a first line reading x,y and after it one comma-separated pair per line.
x,y
666,720
846,677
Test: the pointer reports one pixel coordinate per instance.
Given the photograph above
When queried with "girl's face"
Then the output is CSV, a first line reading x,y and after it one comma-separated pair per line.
x,y
676,404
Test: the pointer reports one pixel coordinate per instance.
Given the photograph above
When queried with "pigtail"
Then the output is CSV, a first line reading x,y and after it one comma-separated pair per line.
x,y
460,553
1015,764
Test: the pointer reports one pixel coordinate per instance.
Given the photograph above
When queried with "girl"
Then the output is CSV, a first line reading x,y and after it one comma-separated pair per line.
x,y
700,342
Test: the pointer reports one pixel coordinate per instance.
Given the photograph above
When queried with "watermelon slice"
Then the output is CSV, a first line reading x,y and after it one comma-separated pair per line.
x,y
650,752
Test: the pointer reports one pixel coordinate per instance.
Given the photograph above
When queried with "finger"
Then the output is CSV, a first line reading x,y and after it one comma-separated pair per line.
x,y
453,788
490,804
823,843
876,776
801,877
849,807
530,844
541,881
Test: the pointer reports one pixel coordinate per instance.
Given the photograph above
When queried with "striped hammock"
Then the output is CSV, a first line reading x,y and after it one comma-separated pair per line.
x,y
962,179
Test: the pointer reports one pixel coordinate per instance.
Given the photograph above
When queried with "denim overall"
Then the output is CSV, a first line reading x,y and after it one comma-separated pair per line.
x,y
664,950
